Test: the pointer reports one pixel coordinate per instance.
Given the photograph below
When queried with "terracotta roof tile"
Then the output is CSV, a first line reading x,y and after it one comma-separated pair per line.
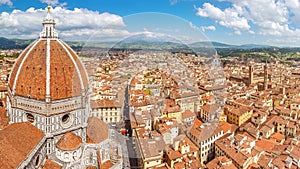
x,y
64,78
51,165
197,122
266,145
205,131
14,150
69,141
179,165
277,136
211,108
32,79
91,167
80,66
4,120
188,114
225,126
107,164
97,130
172,154
105,103
17,64
221,162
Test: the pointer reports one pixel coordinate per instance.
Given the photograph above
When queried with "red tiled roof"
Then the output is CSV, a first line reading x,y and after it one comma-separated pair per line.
x,y
69,141
51,165
225,126
210,108
3,118
172,154
221,162
97,130
105,103
188,114
277,136
17,140
197,123
107,164
64,78
91,167
266,145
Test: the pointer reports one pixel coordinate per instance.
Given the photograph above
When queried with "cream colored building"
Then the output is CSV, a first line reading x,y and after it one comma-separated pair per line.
x,y
109,111
204,137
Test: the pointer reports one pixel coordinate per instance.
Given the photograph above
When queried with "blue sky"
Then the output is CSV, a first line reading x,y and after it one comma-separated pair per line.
x,y
272,22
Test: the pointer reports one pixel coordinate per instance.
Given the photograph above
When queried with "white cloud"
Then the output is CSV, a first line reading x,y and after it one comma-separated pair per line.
x,y
251,32
237,32
229,18
7,2
270,17
193,26
71,24
211,28
173,2
51,2
292,3
202,28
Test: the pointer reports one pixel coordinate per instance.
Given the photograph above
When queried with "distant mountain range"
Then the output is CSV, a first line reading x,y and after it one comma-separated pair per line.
x,y
23,43
138,44
13,43
223,45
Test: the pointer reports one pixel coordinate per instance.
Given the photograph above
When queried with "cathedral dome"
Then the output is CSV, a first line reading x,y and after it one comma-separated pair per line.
x,y
48,69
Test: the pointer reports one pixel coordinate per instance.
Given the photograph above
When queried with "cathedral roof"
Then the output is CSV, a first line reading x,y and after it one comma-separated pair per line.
x,y
17,140
97,130
4,120
48,69
69,142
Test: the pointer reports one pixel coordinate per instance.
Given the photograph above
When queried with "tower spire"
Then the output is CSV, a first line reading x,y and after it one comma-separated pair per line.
x,y
48,26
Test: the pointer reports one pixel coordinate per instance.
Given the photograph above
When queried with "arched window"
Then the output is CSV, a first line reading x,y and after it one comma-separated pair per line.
x,y
38,161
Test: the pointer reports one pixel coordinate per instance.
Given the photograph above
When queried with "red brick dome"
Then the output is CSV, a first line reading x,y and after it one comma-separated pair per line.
x,y
48,69
69,142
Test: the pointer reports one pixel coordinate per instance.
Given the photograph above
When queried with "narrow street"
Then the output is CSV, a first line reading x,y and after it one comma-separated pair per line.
x,y
133,156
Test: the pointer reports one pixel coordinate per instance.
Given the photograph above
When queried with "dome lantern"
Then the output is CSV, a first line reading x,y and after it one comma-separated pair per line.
x,y
49,26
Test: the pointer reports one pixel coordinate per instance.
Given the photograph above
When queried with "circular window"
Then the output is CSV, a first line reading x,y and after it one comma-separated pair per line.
x,y
67,120
30,117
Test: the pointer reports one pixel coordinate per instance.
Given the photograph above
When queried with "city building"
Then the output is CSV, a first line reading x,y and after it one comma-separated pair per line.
x,y
209,112
221,162
108,110
151,148
183,153
240,149
204,135
238,116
